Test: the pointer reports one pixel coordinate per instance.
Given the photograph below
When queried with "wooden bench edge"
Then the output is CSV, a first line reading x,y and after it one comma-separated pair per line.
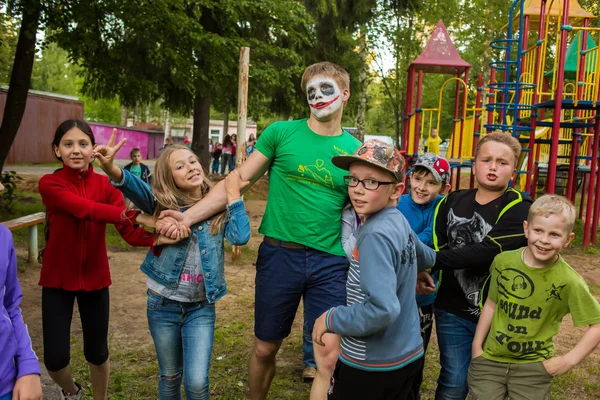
x,y
25,221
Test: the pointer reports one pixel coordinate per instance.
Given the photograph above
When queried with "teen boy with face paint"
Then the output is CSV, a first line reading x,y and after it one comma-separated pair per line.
x,y
297,260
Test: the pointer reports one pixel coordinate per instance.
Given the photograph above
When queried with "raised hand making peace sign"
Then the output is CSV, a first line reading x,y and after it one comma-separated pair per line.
x,y
105,155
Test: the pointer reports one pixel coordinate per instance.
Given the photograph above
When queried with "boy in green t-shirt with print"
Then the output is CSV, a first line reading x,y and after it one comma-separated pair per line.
x,y
531,290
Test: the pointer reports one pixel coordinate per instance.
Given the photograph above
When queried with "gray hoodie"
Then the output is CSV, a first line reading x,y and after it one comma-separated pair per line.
x,y
380,323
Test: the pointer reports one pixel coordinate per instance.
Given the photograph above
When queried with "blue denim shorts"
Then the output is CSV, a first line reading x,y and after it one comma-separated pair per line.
x,y
284,276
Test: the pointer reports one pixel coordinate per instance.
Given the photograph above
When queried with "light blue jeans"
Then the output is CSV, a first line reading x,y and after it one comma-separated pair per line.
x,y
455,337
183,335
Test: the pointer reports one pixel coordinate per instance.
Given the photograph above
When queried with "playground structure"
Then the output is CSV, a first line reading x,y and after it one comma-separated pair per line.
x,y
545,91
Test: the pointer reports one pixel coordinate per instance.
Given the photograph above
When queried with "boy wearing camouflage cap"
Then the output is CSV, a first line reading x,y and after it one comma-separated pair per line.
x,y
382,350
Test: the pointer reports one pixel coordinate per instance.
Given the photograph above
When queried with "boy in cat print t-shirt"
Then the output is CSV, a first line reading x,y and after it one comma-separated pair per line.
x,y
471,227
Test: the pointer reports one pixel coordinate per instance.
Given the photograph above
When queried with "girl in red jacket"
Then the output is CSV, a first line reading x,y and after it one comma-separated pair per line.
x,y
79,203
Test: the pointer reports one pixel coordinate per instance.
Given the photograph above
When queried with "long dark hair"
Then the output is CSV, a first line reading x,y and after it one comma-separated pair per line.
x,y
227,141
66,126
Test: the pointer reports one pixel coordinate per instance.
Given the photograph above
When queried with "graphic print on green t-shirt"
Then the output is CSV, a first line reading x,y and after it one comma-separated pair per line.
x,y
530,306
306,191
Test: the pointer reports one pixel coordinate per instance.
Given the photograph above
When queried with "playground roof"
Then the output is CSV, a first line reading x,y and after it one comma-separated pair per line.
x,y
533,7
440,55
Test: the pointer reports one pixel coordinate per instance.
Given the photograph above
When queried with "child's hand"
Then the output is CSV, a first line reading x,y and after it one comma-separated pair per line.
x,y
557,366
234,185
28,387
476,352
146,220
105,154
170,221
319,330
425,283
181,232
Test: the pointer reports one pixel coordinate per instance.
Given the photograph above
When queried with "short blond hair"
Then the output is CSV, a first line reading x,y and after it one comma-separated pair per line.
x,y
339,74
553,204
504,138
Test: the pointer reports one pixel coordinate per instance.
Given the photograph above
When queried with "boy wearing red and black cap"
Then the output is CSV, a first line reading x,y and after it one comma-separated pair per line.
x,y
382,350
429,182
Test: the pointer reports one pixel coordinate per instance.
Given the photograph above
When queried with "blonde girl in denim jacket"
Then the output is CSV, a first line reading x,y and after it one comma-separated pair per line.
x,y
185,277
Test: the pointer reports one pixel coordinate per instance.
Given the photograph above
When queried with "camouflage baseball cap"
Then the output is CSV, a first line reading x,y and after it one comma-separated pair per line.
x,y
438,166
376,153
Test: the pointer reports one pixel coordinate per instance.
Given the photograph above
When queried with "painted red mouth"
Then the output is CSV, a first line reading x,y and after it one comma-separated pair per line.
x,y
321,105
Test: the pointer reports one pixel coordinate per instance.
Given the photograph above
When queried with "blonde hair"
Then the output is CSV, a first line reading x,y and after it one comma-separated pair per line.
x,y
169,197
339,74
503,138
553,204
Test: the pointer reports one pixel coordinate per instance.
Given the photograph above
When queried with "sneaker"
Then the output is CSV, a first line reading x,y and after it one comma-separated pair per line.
x,y
76,396
308,374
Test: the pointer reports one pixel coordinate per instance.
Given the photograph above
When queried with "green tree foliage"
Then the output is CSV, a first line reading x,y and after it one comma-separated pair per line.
x,y
185,53
8,44
53,71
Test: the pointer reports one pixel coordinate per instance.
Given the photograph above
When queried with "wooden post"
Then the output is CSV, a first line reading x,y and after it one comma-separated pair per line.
x,y
32,238
242,110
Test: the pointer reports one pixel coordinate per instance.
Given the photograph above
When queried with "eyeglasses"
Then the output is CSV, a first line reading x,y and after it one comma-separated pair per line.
x,y
369,184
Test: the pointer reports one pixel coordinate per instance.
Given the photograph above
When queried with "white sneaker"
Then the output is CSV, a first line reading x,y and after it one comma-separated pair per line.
x,y
76,396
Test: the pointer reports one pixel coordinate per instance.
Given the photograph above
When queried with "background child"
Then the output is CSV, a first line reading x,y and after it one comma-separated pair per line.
x,y
432,144
471,228
531,290
19,367
250,145
429,181
137,168
227,154
381,346
216,156
79,203
187,278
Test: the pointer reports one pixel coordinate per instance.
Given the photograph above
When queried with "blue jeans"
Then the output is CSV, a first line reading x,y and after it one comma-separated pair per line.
x,y
455,337
215,166
225,162
308,355
183,335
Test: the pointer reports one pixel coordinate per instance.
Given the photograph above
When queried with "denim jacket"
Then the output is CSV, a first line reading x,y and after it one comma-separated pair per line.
x,y
166,268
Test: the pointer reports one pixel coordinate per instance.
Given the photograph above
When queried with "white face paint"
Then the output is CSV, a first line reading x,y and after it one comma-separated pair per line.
x,y
324,97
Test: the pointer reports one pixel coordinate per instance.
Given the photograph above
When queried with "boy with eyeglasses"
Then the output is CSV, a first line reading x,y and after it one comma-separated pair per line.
x,y
382,350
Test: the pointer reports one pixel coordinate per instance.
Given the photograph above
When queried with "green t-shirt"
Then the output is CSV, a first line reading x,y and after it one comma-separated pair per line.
x,y
530,306
306,191
136,170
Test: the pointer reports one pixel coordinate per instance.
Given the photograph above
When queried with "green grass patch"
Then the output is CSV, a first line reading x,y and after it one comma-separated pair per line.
x,y
252,195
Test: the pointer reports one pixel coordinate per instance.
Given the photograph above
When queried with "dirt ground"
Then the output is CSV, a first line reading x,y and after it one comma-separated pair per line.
x,y
128,326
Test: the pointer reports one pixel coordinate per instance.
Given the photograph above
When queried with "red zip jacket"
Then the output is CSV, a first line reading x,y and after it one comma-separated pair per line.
x,y
78,206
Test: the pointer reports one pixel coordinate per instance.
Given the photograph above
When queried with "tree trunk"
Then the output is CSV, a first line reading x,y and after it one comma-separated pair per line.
x,y
124,116
225,122
20,79
168,127
362,99
201,125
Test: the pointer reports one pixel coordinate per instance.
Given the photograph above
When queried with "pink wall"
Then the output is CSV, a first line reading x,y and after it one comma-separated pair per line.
x,y
135,138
